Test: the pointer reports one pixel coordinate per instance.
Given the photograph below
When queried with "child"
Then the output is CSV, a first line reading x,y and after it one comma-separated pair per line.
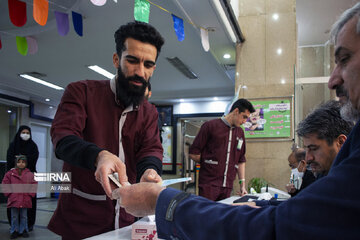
x,y
19,202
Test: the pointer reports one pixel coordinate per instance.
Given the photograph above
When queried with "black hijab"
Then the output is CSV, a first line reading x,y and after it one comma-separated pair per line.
x,y
21,147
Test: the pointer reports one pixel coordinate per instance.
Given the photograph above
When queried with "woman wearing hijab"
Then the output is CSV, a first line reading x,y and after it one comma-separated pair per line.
x,y
24,145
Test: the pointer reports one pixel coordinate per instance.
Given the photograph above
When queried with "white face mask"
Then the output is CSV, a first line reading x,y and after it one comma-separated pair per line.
x,y
296,177
25,136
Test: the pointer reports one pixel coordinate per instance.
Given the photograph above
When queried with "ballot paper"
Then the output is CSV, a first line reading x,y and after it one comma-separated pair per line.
x,y
115,178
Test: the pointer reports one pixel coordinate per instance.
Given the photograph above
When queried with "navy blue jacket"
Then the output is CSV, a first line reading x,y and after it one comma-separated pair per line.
x,y
327,209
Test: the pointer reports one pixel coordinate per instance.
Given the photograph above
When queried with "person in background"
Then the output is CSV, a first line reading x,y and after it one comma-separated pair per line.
x,y
220,149
105,126
300,177
24,145
19,202
327,209
323,132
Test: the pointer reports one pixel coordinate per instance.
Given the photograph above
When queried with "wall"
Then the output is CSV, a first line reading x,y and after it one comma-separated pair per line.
x,y
267,74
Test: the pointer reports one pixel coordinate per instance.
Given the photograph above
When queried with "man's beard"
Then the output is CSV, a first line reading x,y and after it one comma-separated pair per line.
x,y
349,113
128,93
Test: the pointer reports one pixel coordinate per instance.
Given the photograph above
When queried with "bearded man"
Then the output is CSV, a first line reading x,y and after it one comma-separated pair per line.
x,y
103,127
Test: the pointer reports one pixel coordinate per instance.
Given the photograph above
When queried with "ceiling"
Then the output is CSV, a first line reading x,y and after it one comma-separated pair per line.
x,y
63,59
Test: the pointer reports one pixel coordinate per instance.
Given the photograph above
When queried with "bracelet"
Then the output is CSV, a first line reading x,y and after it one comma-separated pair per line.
x,y
241,181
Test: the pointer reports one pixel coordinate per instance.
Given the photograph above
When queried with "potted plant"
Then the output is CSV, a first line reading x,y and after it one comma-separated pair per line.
x,y
257,183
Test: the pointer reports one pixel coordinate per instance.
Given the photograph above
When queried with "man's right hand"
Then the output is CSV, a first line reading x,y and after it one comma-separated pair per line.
x,y
139,199
108,163
290,188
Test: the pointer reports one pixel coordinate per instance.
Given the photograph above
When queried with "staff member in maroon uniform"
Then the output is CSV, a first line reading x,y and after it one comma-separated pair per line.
x,y
103,127
219,147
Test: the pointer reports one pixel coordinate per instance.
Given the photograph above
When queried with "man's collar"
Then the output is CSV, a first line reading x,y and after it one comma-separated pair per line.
x,y
113,85
225,121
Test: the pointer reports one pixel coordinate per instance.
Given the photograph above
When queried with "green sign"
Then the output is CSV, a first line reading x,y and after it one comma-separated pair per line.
x,y
271,119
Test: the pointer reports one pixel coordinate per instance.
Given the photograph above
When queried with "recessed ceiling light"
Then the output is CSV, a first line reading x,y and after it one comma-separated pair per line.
x,y
244,87
182,100
279,51
37,80
283,81
47,100
9,111
237,73
226,56
275,16
215,98
101,71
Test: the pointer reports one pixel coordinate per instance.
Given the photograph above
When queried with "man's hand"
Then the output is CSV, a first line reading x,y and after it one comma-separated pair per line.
x,y
290,188
242,191
139,199
150,175
107,163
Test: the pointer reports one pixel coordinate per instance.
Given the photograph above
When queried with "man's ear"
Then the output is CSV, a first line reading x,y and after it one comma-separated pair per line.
x,y
341,139
116,60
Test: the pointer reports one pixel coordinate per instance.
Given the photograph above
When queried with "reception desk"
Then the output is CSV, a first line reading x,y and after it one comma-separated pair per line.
x,y
125,233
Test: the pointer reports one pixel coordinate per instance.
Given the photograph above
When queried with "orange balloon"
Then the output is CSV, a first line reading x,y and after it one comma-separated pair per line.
x,y
40,11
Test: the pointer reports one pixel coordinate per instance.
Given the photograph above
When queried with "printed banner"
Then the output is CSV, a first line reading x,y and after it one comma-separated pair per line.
x,y
271,119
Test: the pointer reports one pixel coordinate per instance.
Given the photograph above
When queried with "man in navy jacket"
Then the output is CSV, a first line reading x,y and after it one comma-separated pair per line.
x,y
327,209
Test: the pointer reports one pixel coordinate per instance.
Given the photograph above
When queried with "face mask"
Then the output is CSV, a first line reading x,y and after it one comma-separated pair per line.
x,y
25,136
296,177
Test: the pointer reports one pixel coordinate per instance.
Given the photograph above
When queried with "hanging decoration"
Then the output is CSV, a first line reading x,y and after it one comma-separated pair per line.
x,y
142,10
62,22
98,2
32,45
178,27
22,45
40,11
17,12
78,23
205,39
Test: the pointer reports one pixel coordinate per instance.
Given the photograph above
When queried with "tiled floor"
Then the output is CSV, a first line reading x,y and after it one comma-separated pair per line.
x,y
45,209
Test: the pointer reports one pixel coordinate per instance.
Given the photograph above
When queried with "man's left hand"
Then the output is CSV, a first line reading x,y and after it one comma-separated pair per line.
x,y
242,191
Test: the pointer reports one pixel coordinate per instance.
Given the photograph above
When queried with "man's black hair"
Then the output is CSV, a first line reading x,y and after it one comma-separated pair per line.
x,y
326,122
242,104
140,31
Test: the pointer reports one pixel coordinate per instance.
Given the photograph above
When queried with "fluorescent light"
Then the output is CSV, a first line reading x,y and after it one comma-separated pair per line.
x,y
51,107
101,71
226,56
182,100
47,100
215,98
37,80
224,19
244,87
9,111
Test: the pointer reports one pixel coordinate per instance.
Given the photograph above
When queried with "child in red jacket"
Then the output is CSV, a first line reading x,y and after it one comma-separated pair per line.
x,y
19,197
